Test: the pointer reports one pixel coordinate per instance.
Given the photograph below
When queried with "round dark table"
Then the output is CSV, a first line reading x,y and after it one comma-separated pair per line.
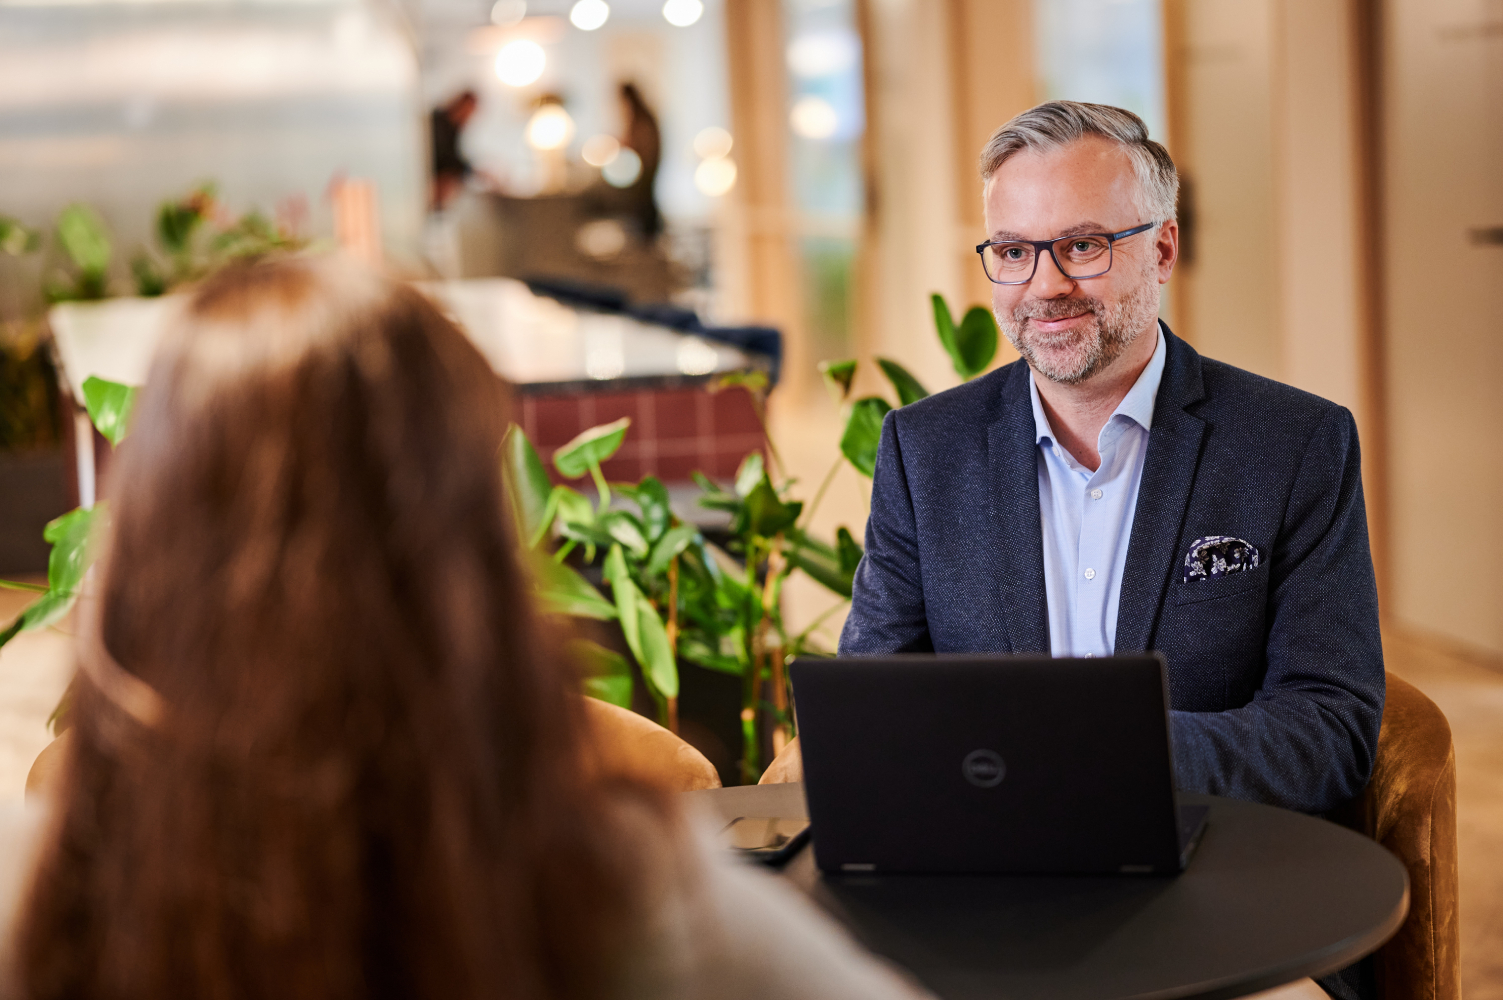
x,y
1269,896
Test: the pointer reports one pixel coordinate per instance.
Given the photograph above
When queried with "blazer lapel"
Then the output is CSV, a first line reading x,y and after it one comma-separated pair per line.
x,y
1163,497
1016,518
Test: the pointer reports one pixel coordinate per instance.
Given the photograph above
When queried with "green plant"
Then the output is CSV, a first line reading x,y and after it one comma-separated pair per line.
x,y
85,242
676,595
28,383
109,405
192,252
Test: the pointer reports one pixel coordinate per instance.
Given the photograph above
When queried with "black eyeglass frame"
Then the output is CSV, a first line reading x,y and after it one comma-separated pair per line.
x,y
1041,246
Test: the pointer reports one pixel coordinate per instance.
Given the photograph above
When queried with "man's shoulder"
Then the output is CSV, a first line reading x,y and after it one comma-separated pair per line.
x,y
1247,397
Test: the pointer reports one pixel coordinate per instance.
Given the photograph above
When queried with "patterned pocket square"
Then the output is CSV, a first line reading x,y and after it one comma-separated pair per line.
x,y
1219,555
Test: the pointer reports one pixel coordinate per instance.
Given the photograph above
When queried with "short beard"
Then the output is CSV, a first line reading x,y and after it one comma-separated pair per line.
x,y
1113,328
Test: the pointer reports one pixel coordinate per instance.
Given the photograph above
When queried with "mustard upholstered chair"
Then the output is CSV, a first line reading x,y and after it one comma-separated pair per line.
x,y
786,767
1409,807
621,742
630,745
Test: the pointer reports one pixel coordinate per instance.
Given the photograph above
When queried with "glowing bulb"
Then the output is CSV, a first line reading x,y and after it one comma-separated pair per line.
x,y
598,150
587,15
550,127
715,176
813,118
624,170
712,142
505,13
520,62
682,13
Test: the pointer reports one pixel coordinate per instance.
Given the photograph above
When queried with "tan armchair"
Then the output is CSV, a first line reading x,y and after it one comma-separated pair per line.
x,y
630,745
622,742
1409,807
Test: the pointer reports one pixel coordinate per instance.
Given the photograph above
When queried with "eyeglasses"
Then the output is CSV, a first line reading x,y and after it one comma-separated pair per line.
x,y
1013,262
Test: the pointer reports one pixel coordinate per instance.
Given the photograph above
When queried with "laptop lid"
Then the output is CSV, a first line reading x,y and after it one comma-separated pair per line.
x,y
965,763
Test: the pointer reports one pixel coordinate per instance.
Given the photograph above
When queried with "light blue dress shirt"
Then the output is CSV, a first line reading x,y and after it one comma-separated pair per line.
x,y
1087,517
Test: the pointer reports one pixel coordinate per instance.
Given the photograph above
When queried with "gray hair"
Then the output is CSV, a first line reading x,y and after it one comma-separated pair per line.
x,y
1058,123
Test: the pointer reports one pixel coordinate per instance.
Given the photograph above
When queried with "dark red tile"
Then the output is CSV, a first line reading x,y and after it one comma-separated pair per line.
x,y
676,414
556,419
613,406
677,468
734,413
622,469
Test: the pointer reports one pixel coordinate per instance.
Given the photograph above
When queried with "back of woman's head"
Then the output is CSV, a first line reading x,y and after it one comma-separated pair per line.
x,y
354,774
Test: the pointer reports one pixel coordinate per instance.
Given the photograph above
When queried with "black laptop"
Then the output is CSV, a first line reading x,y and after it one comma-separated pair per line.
x,y
991,764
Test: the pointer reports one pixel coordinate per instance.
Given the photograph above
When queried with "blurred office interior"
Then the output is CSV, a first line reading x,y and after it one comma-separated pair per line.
x,y
809,166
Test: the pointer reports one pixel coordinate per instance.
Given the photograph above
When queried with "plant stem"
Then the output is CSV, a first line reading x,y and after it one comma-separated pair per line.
x,y
35,588
771,600
819,494
816,623
672,630
751,744
601,485
563,551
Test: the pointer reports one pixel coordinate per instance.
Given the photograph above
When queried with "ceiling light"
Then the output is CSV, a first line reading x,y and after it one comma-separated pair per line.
x,y
813,118
505,13
682,13
598,150
520,62
587,15
550,127
711,142
715,176
624,170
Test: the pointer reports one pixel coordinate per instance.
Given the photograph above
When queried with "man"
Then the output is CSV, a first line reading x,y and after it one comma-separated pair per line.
x,y
1115,491
450,168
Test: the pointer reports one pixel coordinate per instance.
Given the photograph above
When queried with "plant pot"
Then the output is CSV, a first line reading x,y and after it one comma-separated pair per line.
x,y
33,491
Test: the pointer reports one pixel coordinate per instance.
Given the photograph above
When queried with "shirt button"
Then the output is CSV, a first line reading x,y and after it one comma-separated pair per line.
x,y
1095,494
1057,453
1090,574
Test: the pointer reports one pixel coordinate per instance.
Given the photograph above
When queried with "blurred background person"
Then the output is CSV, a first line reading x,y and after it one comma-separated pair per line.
x,y
450,167
642,136
319,748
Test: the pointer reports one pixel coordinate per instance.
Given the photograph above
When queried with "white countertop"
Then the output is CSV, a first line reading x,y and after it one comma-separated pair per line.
x,y
528,339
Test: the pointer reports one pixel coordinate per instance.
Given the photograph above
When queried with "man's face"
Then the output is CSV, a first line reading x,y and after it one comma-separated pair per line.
x,y
1071,329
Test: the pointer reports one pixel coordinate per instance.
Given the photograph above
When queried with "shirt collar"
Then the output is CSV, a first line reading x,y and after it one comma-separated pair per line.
x,y
1136,406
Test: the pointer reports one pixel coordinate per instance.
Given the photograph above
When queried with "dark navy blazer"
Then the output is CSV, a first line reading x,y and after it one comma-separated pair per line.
x,y
1275,674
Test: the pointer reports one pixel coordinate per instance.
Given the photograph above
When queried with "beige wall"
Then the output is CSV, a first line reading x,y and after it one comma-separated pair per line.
x,y
1443,178
943,76
1226,293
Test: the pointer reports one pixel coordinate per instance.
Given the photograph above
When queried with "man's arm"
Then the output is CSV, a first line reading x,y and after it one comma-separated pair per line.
x,y
1308,738
887,600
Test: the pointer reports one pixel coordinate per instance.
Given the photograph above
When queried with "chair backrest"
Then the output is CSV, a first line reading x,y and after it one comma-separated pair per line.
x,y
623,743
632,746
1409,806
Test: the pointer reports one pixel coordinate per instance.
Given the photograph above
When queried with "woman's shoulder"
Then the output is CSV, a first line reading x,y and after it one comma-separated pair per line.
x,y
21,830
714,925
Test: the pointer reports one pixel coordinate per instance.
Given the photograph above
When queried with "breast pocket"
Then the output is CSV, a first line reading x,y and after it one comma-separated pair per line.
x,y
1220,587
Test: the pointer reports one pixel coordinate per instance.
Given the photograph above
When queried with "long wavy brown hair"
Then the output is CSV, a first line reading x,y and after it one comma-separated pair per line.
x,y
319,751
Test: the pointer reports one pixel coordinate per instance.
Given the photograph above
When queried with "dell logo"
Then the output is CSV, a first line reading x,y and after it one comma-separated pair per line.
x,y
983,768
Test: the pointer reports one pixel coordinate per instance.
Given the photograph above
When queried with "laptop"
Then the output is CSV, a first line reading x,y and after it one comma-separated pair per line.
x,y
989,763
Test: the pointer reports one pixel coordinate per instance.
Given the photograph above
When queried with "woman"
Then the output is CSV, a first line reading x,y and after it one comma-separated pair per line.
x,y
319,749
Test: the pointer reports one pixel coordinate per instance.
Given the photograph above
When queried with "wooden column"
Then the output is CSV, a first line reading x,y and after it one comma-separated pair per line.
x,y
759,218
